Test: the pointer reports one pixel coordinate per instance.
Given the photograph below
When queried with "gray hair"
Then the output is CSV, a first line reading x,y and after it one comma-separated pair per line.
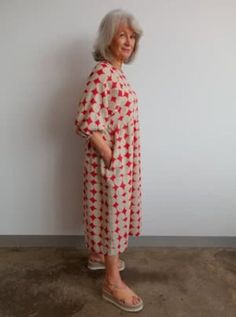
x,y
106,31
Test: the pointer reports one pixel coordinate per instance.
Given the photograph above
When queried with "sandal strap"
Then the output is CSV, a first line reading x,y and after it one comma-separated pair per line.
x,y
114,287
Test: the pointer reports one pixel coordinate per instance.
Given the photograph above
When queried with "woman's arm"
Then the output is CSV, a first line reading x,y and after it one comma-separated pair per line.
x,y
101,146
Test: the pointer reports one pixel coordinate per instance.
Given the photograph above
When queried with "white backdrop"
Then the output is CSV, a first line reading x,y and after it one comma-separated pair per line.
x,y
184,76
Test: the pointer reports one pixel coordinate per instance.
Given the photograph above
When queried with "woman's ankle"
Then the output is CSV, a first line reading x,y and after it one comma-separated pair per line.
x,y
96,255
112,279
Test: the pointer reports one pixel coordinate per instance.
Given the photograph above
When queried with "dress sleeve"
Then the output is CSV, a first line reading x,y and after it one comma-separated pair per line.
x,y
92,111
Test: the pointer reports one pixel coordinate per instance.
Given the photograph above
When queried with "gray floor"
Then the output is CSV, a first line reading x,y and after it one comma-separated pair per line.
x,y
173,282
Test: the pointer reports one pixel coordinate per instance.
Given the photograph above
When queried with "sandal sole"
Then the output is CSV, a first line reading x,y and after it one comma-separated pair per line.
x,y
99,266
107,296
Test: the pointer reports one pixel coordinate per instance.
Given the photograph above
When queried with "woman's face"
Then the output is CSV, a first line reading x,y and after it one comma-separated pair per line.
x,y
123,43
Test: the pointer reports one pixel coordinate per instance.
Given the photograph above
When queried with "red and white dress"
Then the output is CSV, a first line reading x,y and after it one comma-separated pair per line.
x,y
112,206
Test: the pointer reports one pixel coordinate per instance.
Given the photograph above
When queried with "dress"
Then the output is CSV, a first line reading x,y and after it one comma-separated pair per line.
x,y
112,206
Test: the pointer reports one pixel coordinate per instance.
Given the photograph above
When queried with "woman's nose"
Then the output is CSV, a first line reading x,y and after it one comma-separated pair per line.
x,y
127,42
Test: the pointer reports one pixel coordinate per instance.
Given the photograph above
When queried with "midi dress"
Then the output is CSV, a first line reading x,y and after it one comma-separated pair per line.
x,y
112,196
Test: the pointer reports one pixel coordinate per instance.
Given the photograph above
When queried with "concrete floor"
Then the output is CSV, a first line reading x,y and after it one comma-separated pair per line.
x,y
173,282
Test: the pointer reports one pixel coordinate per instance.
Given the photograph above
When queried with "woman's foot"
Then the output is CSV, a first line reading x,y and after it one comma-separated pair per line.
x,y
94,257
122,292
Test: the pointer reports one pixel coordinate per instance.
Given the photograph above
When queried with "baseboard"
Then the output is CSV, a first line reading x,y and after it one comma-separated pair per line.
x,y
141,241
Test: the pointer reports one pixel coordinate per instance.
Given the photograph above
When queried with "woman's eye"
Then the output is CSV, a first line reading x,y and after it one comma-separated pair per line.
x,y
133,36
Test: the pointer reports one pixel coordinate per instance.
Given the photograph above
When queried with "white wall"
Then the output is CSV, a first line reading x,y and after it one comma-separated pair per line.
x,y
184,77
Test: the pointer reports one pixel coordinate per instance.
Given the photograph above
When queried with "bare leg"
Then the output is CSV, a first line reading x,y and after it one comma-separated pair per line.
x,y
112,277
112,273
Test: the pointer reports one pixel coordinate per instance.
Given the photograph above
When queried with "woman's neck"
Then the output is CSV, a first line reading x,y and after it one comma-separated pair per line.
x,y
117,63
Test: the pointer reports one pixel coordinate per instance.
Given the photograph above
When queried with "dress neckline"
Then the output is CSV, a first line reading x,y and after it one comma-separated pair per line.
x,y
116,68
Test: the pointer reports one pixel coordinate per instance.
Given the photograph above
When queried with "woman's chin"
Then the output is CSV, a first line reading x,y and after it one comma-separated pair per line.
x,y
126,56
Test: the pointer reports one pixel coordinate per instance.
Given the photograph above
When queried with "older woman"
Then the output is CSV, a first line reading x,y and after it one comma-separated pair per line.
x,y
108,118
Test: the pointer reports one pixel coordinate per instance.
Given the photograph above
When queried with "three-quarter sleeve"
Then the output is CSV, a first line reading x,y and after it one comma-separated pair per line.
x,y
92,112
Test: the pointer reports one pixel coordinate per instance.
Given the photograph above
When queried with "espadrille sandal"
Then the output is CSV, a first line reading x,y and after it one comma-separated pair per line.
x,y
99,265
108,294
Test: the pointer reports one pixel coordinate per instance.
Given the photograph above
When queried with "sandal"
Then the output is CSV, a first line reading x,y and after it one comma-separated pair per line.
x,y
99,265
108,294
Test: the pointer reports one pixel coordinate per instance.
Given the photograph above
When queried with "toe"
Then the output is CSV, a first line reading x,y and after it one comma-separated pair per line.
x,y
136,300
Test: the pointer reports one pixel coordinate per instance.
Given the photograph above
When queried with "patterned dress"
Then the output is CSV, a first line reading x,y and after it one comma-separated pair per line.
x,y
112,206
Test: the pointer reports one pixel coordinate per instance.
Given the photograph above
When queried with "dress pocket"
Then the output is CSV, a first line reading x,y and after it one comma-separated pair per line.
x,y
106,171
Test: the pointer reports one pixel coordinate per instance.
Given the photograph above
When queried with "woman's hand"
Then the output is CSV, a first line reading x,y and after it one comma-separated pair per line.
x,y
101,147
107,156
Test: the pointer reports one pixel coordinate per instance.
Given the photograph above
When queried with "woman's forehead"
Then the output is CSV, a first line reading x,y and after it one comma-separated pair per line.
x,y
124,26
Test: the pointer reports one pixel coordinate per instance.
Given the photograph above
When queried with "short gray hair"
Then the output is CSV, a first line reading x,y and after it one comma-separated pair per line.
x,y
107,30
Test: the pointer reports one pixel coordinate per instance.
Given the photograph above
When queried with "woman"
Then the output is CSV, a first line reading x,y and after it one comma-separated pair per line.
x,y
108,118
